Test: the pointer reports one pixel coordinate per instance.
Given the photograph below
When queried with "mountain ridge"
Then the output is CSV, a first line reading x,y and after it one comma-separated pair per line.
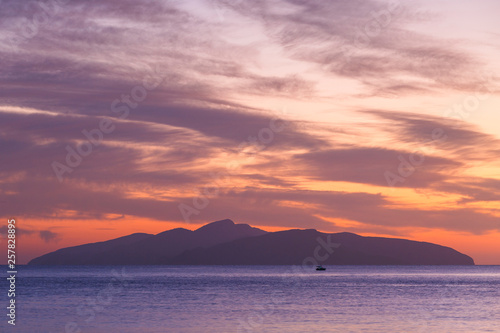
x,y
226,243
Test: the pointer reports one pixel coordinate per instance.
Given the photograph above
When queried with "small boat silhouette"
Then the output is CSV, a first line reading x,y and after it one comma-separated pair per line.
x,y
320,268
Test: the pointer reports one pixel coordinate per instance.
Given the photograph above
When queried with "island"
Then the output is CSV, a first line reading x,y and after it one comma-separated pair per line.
x,y
226,243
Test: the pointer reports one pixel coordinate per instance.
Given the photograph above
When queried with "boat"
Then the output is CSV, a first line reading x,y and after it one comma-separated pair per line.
x,y
320,268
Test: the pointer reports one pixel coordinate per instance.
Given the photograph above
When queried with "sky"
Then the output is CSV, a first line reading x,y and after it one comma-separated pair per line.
x,y
373,117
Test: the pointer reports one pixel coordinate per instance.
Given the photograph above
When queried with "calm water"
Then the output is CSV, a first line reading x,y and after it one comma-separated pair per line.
x,y
256,299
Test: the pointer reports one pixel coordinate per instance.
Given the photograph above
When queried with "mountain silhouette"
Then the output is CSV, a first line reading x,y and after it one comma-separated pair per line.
x,y
147,249
226,243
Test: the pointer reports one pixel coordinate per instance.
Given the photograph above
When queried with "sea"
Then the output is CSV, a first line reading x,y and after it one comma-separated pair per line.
x,y
254,299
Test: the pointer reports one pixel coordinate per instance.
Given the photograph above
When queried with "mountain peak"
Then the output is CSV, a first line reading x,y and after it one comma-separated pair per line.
x,y
222,224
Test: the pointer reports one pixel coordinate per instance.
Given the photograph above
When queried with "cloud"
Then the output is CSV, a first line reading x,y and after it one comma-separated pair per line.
x,y
457,139
374,212
473,189
368,165
89,54
104,51
368,41
48,236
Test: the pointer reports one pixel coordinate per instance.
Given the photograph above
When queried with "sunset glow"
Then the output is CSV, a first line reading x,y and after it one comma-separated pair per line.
x,y
372,117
